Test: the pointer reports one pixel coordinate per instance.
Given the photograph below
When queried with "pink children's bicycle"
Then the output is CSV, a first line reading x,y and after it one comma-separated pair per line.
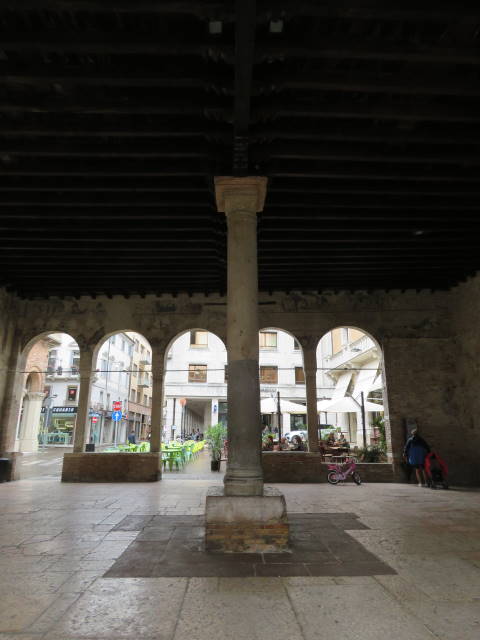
x,y
339,473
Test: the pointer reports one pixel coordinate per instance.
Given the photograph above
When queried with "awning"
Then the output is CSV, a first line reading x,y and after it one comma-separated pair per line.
x,y
269,405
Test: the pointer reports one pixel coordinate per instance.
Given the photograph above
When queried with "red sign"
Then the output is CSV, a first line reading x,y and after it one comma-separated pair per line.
x,y
94,419
117,405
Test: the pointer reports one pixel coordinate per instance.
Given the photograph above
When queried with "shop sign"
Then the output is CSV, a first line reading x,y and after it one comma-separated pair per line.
x,y
64,410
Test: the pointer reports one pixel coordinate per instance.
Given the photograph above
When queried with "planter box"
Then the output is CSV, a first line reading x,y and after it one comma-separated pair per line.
x,y
111,467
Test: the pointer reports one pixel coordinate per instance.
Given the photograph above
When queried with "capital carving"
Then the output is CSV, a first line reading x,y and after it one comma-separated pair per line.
x,y
240,194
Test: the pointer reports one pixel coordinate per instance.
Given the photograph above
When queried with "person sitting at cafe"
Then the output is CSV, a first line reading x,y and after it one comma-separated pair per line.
x,y
268,444
297,444
284,446
331,439
343,442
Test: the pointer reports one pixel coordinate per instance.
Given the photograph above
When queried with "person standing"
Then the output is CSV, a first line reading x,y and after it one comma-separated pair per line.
x,y
415,452
132,439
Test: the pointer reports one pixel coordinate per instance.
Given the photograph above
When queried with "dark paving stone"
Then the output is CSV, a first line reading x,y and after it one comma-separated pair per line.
x,y
350,569
132,523
174,546
280,570
207,570
154,533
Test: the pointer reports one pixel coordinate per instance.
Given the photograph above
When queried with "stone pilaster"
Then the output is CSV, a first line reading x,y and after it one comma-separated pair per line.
x,y
81,429
32,408
158,377
310,368
240,199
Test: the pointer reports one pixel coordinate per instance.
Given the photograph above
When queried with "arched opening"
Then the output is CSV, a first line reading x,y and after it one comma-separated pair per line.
x,y
50,389
351,394
120,405
282,386
195,385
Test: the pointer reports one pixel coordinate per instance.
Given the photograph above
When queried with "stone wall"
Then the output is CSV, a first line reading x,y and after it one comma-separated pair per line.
x,y
429,340
466,383
297,467
111,467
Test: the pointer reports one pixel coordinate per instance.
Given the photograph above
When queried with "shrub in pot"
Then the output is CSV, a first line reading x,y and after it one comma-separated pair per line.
x,y
215,437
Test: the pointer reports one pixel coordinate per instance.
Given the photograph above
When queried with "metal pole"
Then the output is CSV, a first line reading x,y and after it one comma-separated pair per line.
x,y
364,429
279,417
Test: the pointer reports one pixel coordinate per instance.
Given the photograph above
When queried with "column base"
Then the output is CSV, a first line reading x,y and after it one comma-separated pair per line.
x,y
12,471
246,524
243,486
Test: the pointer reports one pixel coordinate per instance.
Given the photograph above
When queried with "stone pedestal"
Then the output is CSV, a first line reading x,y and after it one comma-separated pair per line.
x,y
246,524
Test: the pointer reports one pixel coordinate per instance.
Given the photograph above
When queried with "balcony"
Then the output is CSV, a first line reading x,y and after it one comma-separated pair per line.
x,y
350,352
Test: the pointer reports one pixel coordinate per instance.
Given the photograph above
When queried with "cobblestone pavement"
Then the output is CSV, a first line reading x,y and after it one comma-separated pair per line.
x,y
57,541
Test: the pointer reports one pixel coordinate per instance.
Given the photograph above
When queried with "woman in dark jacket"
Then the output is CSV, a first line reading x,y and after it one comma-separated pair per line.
x,y
415,452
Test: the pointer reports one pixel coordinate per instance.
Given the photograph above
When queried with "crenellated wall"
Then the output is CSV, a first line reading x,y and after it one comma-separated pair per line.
x,y
429,340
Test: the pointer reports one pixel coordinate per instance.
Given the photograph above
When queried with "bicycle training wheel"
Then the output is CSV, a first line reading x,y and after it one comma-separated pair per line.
x,y
356,478
333,477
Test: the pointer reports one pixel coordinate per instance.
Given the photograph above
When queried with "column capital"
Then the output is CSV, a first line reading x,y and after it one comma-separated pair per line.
x,y
232,192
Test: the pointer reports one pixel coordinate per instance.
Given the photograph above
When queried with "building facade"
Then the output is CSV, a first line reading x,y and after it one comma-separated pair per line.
x,y
197,374
350,375
140,397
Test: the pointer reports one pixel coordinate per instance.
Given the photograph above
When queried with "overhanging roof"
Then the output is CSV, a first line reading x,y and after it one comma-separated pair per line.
x,y
115,116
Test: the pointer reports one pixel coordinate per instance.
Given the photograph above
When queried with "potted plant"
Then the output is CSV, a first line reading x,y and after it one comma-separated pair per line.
x,y
215,436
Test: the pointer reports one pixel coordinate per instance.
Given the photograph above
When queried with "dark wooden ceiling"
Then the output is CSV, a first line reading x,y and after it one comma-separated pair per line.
x,y
116,114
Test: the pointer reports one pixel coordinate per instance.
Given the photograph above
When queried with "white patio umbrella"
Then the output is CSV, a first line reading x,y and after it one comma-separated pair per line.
x,y
269,405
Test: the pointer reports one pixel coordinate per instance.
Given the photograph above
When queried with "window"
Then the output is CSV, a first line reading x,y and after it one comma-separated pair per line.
x,y
124,345
108,401
269,375
103,368
136,346
197,372
142,349
226,373
132,395
198,339
72,394
268,339
299,375
75,362
135,370
145,401
112,340
52,360
101,398
138,397
296,345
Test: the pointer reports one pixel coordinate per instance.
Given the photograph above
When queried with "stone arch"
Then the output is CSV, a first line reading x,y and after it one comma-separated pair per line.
x,y
121,380
287,362
195,386
34,381
33,408
348,365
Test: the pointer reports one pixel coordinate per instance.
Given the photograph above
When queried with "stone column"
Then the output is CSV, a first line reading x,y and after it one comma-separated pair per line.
x,y
240,199
158,376
310,368
81,429
32,408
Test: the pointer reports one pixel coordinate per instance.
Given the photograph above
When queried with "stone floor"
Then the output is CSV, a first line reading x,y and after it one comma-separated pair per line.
x,y
57,541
